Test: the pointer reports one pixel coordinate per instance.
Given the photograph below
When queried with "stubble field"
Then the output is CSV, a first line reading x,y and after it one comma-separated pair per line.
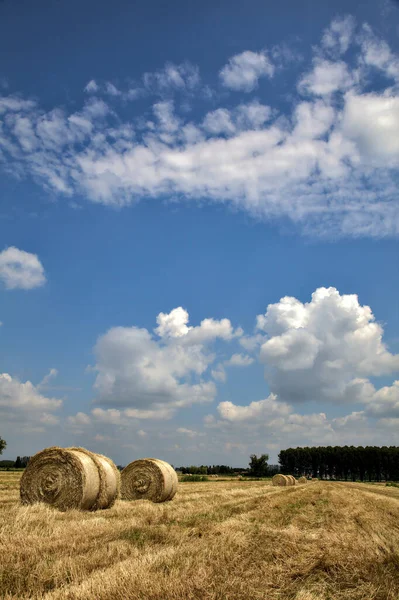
x,y
217,540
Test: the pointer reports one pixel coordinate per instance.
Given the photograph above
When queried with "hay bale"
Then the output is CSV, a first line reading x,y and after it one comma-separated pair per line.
x,y
302,480
292,479
110,479
69,478
280,480
148,479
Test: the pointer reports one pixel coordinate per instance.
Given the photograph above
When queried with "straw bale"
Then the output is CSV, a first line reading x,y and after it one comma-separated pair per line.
x,y
62,478
302,480
148,479
280,480
70,478
292,479
109,479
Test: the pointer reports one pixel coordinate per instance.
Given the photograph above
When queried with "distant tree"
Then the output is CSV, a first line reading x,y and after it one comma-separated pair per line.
x,y
3,444
258,465
18,463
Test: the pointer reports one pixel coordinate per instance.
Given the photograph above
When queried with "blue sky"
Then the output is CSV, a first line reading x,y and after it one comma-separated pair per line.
x,y
198,225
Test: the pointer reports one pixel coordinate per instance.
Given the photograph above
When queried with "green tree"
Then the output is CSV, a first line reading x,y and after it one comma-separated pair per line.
x,y
258,465
18,463
3,444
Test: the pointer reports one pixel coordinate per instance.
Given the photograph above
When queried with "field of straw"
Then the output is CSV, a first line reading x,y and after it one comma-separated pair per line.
x,y
219,540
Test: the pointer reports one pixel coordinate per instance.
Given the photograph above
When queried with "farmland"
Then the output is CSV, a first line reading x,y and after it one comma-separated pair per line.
x,y
217,540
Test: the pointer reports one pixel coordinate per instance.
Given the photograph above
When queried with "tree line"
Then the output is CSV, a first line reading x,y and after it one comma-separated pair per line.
x,y
372,463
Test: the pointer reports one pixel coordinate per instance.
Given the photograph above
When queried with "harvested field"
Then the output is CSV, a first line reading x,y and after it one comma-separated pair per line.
x,y
228,540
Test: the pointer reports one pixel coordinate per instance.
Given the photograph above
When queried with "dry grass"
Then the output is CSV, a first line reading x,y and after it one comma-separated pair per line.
x,y
214,541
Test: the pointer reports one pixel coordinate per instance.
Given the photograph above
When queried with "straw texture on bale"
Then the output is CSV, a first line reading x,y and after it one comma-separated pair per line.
x,y
69,478
302,480
292,479
110,479
280,480
148,479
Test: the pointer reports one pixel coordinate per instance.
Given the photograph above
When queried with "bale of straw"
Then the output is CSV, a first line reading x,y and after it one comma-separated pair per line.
x,y
110,479
302,480
148,479
68,478
292,479
280,480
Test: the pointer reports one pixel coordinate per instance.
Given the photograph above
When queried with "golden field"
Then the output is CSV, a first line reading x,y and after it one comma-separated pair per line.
x,y
217,540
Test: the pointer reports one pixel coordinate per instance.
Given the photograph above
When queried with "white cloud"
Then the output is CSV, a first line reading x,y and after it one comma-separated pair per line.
x,y
372,122
339,35
189,432
20,269
150,378
266,409
252,115
384,402
239,360
323,350
219,121
329,166
173,77
219,373
47,378
243,71
24,408
112,90
326,78
91,87
376,53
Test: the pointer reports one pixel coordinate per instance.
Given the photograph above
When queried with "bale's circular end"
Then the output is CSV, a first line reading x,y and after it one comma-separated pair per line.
x,y
279,479
68,478
302,480
60,478
148,479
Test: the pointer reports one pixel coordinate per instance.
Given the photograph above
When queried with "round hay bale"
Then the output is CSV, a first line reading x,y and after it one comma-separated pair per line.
x,y
302,480
280,480
292,479
148,479
62,478
110,479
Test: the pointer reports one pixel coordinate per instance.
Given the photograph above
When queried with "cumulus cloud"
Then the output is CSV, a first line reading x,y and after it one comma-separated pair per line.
x,y
243,71
239,360
326,78
150,377
22,405
329,165
266,409
323,350
20,269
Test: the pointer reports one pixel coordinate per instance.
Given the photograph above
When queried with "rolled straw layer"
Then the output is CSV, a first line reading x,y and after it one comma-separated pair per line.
x,y
69,478
292,479
280,480
110,479
148,479
302,480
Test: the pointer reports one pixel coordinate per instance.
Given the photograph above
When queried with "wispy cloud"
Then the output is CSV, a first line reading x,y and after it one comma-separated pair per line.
x,y
330,166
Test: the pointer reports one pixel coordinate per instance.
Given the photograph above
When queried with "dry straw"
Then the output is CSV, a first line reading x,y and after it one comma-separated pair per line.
x,y
148,479
280,480
292,479
68,478
302,480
